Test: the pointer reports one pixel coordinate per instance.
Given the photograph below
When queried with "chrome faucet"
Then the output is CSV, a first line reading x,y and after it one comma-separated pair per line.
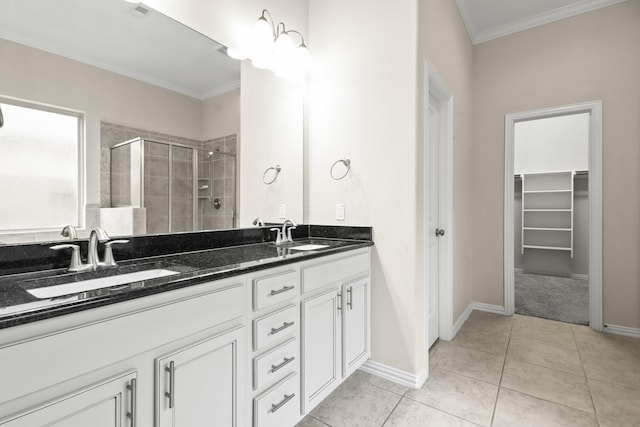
x,y
70,232
97,235
259,222
286,232
93,261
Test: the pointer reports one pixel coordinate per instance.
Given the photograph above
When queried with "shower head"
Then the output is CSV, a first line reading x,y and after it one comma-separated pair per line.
x,y
209,155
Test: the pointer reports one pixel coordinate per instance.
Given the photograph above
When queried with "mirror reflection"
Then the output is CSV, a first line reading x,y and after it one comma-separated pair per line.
x,y
160,108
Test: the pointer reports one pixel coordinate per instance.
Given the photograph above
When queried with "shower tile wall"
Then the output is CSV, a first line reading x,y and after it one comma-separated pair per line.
x,y
156,181
156,186
223,182
112,134
182,189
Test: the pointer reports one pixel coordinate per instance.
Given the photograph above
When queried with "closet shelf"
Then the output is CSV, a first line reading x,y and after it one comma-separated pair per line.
x,y
553,248
547,210
546,229
546,191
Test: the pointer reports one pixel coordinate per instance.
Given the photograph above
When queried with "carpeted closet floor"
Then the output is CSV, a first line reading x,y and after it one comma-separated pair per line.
x,y
557,298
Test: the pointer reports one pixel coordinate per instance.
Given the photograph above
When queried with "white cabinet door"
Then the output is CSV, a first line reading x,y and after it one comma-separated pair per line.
x,y
321,346
355,321
108,404
199,385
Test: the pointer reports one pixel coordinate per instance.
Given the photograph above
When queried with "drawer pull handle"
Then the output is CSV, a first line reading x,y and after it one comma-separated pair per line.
x,y
349,298
284,326
276,406
171,369
275,368
279,291
132,414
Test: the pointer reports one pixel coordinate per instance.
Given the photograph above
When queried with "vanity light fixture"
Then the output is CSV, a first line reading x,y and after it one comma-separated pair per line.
x,y
270,46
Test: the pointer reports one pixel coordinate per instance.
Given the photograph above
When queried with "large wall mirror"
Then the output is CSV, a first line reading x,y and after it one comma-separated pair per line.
x,y
159,147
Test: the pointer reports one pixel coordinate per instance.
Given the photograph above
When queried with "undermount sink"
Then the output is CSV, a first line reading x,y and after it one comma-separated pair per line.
x,y
99,283
309,247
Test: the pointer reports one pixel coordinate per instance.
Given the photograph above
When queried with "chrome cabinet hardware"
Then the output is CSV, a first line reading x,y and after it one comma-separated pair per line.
x,y
132,414
339,302
439,232
284,326
350,298
171,369
279,291
275,368
276,406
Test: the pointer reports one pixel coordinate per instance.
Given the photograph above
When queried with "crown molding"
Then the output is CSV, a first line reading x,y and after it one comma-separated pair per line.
x,y
532,21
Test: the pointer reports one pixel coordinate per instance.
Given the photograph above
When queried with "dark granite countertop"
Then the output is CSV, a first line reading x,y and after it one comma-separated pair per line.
x,y
18,306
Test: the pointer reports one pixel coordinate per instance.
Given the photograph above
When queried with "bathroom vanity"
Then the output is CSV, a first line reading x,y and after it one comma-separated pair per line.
x,y
251,334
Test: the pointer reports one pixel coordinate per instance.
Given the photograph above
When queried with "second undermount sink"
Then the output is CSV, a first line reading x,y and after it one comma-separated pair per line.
x,y
99,283
309,247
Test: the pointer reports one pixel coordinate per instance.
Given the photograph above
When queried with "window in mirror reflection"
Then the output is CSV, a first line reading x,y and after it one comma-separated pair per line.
x,y
39,167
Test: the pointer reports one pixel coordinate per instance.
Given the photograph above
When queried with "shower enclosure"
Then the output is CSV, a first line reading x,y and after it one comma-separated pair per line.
x,y
182,188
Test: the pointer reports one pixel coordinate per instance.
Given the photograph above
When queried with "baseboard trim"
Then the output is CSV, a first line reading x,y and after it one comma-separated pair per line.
x,y
395,375
463,318
622,330
489,308
580,276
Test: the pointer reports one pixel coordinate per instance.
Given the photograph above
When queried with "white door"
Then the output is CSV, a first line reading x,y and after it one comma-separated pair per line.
x,y
354,325
198,386
321,320
433,218
103,405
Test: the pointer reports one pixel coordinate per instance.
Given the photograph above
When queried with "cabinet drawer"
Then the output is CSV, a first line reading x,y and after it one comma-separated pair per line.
x,y
274,326
278,407
319,275
275,288
275,365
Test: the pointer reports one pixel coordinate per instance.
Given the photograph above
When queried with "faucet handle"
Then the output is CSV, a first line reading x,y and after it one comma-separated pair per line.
x,y
279,235
109,260
76,264
289,238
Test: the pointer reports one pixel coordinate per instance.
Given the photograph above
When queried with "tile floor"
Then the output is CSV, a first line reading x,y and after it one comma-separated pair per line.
x,y
502,371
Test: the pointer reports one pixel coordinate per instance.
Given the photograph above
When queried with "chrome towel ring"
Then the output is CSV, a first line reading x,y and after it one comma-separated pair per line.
x,y
346,163
276,170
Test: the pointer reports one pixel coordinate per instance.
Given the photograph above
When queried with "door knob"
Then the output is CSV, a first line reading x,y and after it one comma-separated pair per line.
x,y
439,232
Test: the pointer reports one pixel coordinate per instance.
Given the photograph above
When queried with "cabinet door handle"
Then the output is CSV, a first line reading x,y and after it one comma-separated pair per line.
x,y
276,406
339,302
350,298
284,326
132,391
279,291
171,369
275,368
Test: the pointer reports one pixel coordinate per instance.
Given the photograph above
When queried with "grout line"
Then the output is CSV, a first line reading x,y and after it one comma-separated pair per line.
x,y
593,404
504,362
392,411
320,421
549,401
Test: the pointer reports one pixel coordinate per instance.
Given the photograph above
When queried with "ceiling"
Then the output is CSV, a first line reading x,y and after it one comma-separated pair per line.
x,y
490,19
122,38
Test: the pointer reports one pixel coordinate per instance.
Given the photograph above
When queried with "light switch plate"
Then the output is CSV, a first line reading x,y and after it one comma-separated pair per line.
x,y
340,211
282,211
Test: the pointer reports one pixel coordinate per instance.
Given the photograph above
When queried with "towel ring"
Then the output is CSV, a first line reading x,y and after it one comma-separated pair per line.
x,y
346,163
276,170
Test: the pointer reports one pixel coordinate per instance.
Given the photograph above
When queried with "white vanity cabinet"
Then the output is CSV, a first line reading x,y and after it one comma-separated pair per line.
x,y
109,404
335,322
275,336
67,371
199,384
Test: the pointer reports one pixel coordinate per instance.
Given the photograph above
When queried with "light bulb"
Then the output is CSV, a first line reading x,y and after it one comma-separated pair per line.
x,y
303,57
262,35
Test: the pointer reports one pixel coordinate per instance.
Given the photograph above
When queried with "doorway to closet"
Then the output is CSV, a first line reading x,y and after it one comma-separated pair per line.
x,y
553,217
